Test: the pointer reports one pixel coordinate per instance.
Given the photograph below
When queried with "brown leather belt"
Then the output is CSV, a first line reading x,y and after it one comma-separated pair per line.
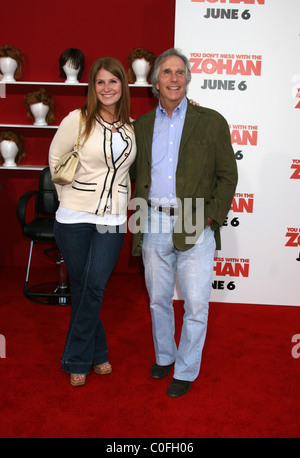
x,y
170,211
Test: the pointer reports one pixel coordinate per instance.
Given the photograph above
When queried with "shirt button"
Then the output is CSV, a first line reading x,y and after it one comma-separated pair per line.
x,y
170,177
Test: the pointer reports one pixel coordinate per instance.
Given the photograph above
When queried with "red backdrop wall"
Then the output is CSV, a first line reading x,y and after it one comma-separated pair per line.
x,y
43,30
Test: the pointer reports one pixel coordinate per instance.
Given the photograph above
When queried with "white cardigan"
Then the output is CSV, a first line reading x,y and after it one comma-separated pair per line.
x,y
101,186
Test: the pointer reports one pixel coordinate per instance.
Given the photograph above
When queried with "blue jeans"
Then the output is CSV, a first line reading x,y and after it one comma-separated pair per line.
x,y
194,269
90,256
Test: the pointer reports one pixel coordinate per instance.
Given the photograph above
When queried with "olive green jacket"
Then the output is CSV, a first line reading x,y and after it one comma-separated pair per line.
x,y
206,169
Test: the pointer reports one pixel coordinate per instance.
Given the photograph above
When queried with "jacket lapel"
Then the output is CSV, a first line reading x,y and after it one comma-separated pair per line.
x,y
148,128
191,117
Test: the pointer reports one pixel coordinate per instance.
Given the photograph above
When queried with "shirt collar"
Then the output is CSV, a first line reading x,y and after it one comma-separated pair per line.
x,y
180,109
109,125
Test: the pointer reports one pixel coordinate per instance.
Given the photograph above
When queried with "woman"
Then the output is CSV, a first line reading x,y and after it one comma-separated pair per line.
x,y
91,219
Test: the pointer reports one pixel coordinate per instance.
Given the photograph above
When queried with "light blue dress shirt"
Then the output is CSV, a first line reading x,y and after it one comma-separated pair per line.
x,y
165,148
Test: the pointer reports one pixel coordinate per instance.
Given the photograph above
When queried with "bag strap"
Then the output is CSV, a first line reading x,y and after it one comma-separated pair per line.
x,y
79,132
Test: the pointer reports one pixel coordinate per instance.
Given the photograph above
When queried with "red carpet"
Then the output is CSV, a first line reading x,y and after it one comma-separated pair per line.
x,y
248,385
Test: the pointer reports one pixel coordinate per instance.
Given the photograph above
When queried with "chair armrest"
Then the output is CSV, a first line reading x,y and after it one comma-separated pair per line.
x,y
22,204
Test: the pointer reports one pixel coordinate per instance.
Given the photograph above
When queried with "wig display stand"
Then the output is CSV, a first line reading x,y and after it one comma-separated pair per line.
x,y
39,111
8,66
9,151
141,69
71,73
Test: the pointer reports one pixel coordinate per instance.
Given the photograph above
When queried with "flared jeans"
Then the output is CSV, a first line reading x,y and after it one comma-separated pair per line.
x,y
90,253
194,270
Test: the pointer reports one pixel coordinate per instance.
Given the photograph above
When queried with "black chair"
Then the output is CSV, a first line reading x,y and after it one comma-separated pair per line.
x,y
40,229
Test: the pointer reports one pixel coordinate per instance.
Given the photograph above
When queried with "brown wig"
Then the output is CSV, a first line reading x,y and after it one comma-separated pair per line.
x,y
92,106
140,53
40,96
14,53
18,140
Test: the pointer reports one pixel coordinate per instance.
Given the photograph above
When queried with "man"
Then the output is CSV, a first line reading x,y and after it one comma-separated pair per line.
x,y
186,173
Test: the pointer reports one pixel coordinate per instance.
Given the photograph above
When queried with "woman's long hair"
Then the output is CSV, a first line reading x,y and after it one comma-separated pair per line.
x,y
92,106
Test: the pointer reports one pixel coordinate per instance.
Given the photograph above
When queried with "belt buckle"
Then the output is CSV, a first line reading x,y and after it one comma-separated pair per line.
x,y
169,211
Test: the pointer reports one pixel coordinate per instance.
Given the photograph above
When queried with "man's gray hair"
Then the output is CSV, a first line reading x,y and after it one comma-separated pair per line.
x,y
160,59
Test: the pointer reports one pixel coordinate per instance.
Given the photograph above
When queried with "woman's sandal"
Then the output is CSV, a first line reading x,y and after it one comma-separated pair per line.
x,y
103,369
77,379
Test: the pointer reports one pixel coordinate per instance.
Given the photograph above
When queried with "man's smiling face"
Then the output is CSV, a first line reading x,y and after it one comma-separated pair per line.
x,y
171,82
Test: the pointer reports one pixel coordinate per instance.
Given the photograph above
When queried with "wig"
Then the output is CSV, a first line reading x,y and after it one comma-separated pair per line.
x,y
76,58
14,53
44,97
18,140
140,53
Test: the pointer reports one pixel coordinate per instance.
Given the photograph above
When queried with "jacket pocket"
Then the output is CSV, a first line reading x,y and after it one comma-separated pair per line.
x,y
82,186
122,197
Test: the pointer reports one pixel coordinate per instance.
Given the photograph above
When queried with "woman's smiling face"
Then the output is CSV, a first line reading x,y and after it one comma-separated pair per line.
x,y
108,89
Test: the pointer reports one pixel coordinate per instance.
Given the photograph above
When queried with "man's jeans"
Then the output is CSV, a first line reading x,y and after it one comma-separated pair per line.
x,y
194,269
90,256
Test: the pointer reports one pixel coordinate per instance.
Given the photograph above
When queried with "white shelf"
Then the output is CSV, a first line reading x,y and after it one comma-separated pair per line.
x,y
42,83
24,167
27,126
53,83
140,85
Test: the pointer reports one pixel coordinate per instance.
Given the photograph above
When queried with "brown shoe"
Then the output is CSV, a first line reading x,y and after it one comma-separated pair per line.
x,y
103,369
77,379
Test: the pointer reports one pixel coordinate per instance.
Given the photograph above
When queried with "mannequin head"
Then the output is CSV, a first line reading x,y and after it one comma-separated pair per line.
x,y
71,64
11,148
40,97
71,72
39,111
14,54
140,54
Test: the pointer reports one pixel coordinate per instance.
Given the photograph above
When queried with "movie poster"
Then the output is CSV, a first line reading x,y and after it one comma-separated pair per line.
x,y
245,63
